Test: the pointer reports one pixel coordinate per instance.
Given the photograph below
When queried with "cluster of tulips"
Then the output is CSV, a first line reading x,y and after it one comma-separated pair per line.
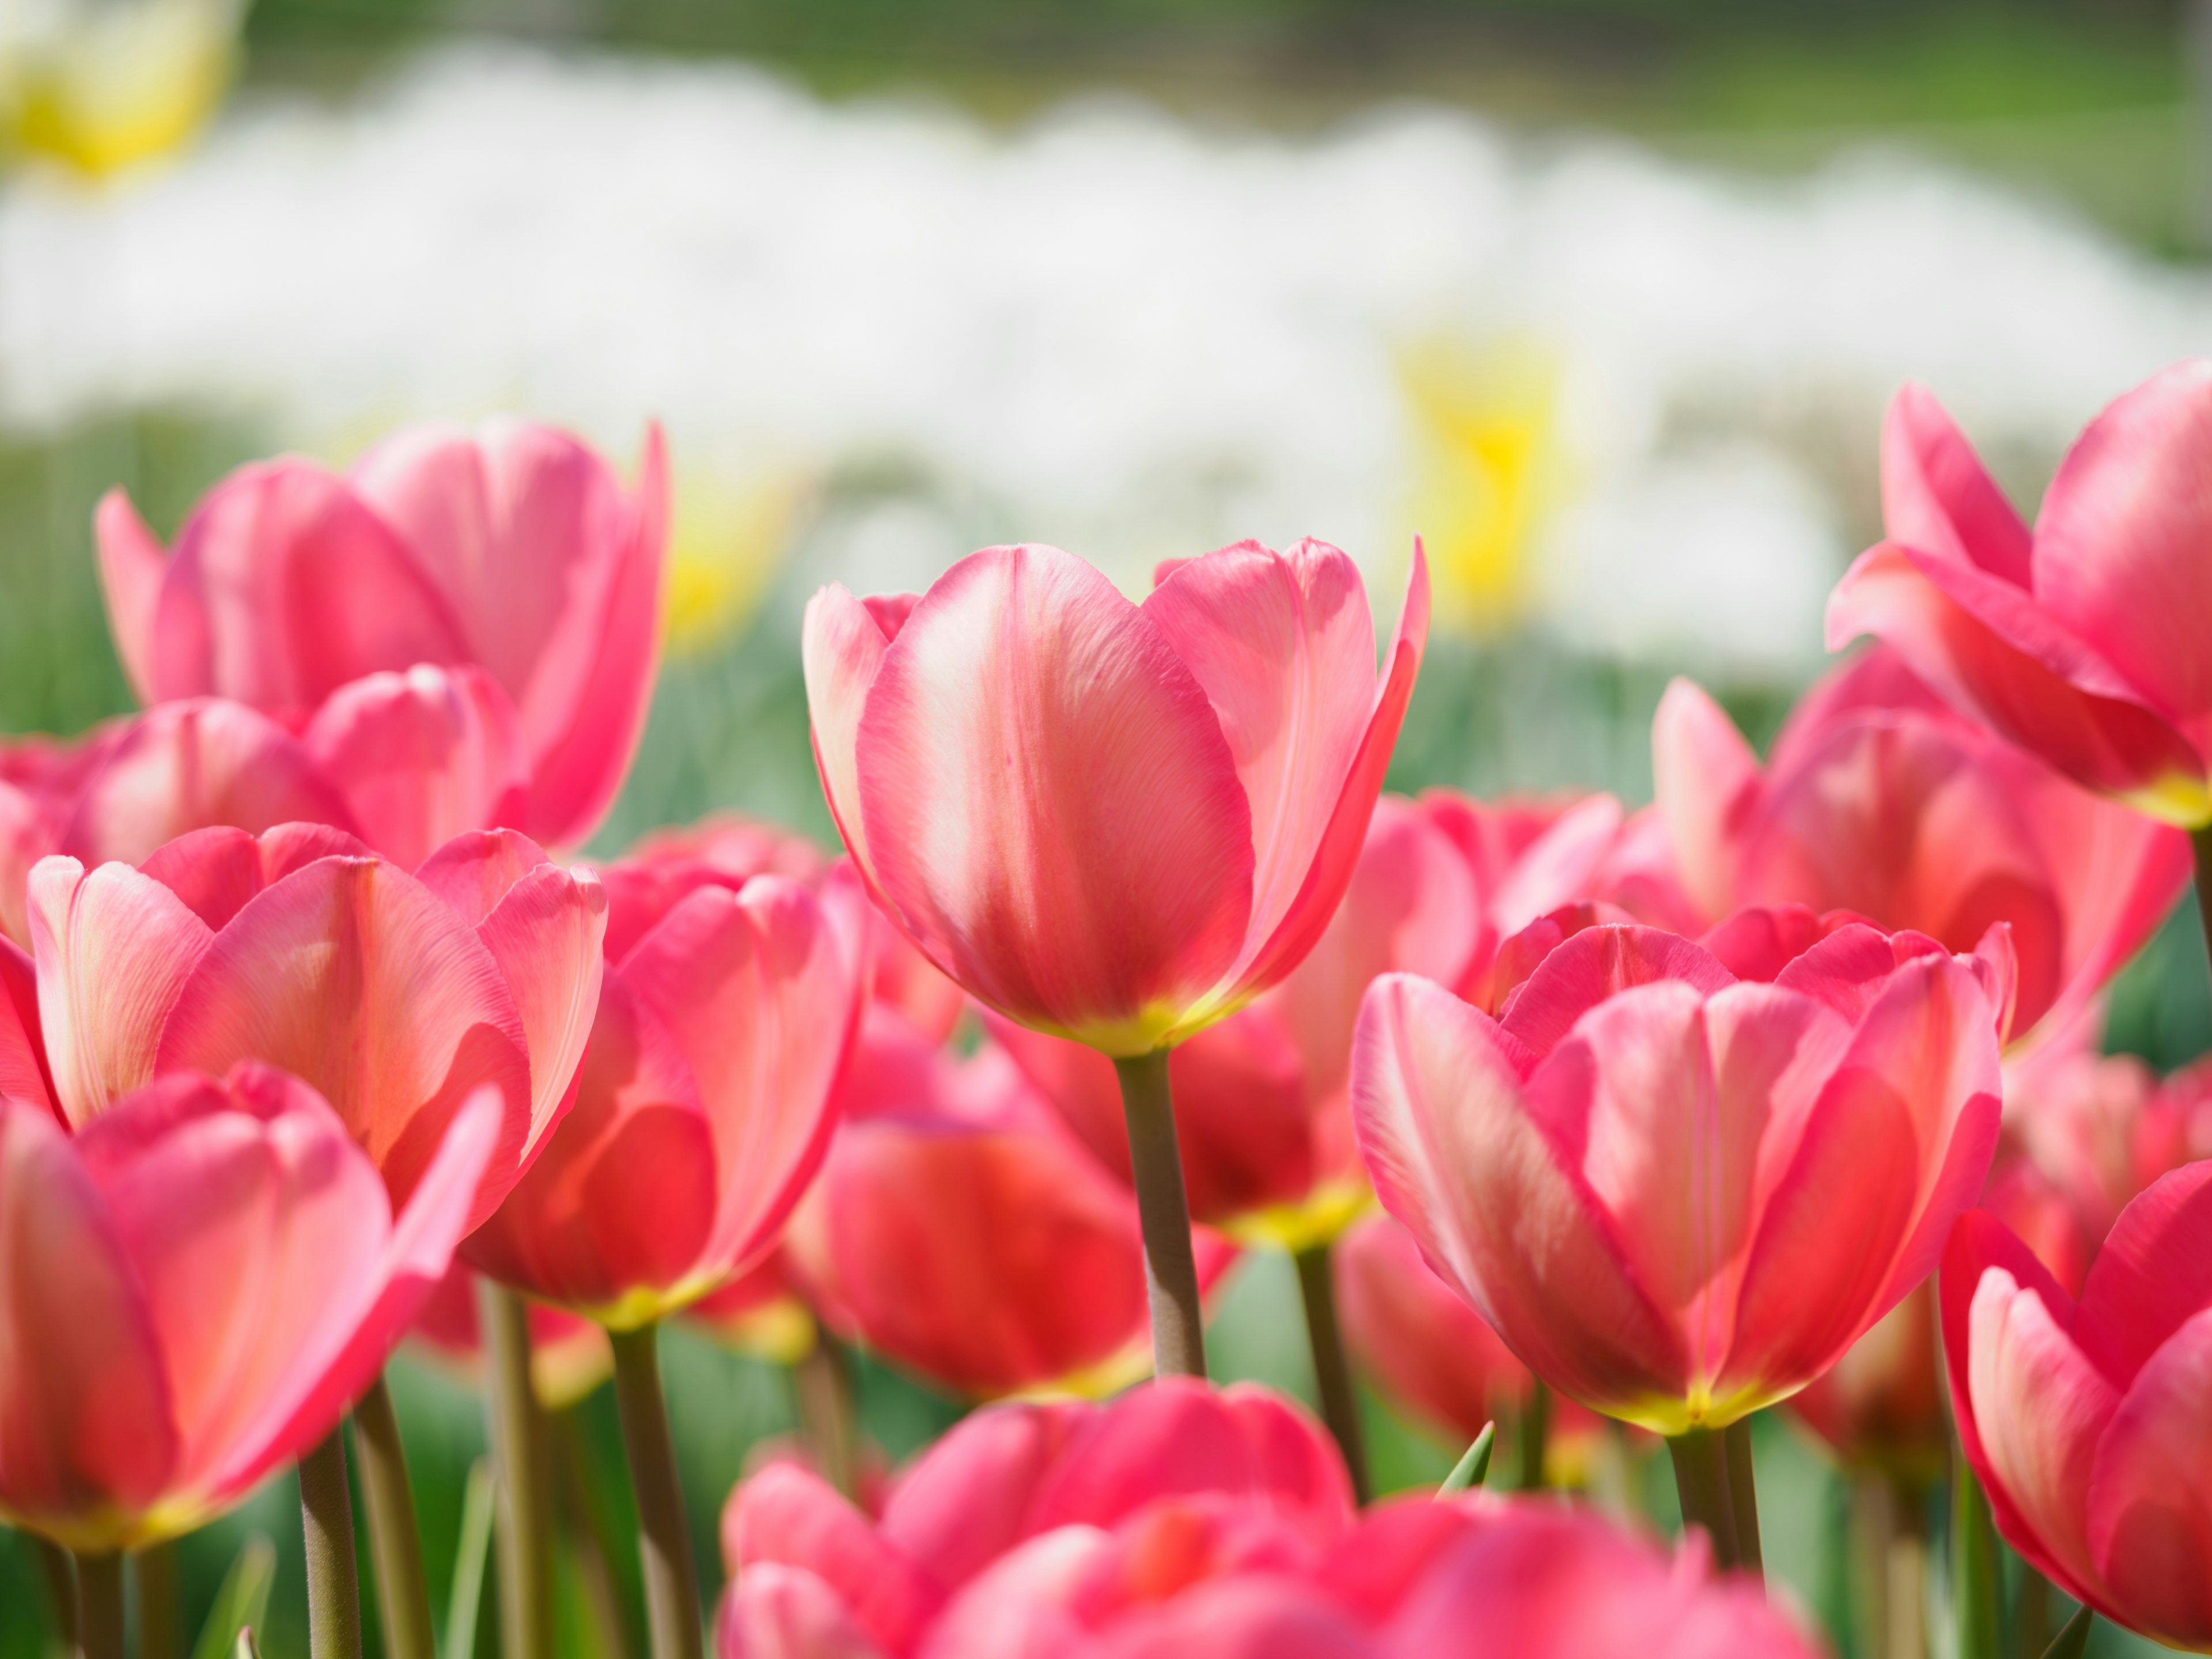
x,y
1783,1089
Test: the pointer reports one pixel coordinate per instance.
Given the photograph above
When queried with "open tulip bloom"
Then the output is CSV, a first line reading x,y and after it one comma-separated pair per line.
x,y
1113,821
1641,1172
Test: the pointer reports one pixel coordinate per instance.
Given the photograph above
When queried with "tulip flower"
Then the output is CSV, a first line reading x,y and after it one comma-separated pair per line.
x,y
1878,800
462,629
960,1232
2081,639
1637,1175
201,1281
2085,1421
395,996
1175,1522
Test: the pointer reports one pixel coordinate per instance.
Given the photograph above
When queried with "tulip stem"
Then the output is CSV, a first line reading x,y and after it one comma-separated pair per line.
x,y
1339,1405
2200,842
1743,1497
99,1606
61,1587
1973,1565
1535,1429
1164,1216
518,1441
326,1518
590,1537
394,1545
156,1568
823,1381
663,1537
1701,1477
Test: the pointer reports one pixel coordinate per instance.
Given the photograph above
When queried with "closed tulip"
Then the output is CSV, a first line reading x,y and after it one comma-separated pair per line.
x,y
960,1230
199,1283
1637,1175
461,623
1878,800
1111,821
395,996
703,1104
2081,639
2085,1421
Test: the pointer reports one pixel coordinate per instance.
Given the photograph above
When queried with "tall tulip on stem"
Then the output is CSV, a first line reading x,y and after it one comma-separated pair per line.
x,y
1115,821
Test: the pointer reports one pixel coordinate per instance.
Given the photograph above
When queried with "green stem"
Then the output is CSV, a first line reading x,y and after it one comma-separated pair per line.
x,y
155,1567
1701,1477
823,1382
2072,1638
671,1585
518,1441
590,1536
326,1518
394,1545
2031,1623
2200,842
1973,1565
1164,1216
99,1606
1743,1496
1339,1404
61,1587
1535,1431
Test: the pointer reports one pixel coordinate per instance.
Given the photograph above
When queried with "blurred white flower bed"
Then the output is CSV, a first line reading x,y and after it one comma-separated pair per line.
x,y
1635,401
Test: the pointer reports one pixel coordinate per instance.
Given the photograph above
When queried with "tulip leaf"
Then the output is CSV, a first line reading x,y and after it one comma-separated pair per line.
x,y
469,1564
1473,1466
2072,1641
240,1601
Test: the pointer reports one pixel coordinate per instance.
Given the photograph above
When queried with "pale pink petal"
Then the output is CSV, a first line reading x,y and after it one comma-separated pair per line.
x,y
1050,804
115,948
183,766
1338,852
357,979
284,586
1456,1157
1710,788
1560,866
1247,1616
779,1611
23,1072
421,756
1598,962
85,1425
132,564
1022,1606
545,936
1992,652
842,645
2152,1274
1936,496
787,1514
2150,1517
2119,545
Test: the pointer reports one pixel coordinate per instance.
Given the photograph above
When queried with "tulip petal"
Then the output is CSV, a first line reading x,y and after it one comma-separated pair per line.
x,y
2150,1519
285,586
1022,1606
353,977
968,1499
1498,1214
85,1424
1935,493
217,870
1598,962
1991,651
115,948
420,757
787,1514
23,1073
1337,854
30,828
183,766
2152,1274
779,1611
1710,787
842,644
2119,545
1050,804
131,567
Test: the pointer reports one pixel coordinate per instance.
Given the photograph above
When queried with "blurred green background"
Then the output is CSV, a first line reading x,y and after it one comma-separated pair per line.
x,y
2090,103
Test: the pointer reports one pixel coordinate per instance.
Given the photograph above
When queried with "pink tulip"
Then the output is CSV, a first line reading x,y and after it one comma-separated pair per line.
x,y
474,612
568,1357
1880,801
2087,1422
2082,639
960,1230
1178,1521
703,1104
396,997
199,1283
1113,822
1637,1175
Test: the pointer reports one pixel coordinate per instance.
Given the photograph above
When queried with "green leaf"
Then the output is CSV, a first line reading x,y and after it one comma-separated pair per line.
x,y
469,1564
1974,1568
2073,1641
1473,1466
240,1602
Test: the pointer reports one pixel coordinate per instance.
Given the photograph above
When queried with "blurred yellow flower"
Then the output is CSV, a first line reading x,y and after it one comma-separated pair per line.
x,y
100,84
727,539
1485,465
